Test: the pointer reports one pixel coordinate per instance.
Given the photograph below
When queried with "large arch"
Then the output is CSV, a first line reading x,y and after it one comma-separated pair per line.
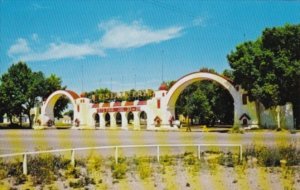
x,y
187,80
48,106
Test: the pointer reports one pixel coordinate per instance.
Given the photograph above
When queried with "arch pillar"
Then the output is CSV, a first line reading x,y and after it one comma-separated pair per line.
x,y
136,120
102,120
236,112
124,120
113,121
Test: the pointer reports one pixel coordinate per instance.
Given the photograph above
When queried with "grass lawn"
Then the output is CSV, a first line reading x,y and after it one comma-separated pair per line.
x,y
261,168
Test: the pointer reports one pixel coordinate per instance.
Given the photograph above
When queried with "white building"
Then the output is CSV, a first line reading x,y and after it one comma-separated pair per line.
x,y
157,112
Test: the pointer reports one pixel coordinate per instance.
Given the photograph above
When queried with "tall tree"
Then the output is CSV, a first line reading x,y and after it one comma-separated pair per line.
x,y
269,67
14,85
34,89
21,89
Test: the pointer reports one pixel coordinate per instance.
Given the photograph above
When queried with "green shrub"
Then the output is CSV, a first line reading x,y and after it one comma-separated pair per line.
x,y
144,170
79,183
271,156
3,173
93,163
291,154
189,158
44,168
20,179
119,169
166,160
73,172
14,168
229,159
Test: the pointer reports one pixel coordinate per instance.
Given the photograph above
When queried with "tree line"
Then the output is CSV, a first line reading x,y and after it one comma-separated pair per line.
x,y
21,89
106,95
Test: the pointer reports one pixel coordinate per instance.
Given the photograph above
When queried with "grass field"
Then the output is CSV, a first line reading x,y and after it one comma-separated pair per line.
x,y
262,168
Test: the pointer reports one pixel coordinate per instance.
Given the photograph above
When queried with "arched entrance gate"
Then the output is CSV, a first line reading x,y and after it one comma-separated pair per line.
x,y
48,106
162,105
240,107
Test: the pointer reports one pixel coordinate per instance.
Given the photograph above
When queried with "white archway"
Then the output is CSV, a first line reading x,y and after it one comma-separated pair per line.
x,y
47,109
187,80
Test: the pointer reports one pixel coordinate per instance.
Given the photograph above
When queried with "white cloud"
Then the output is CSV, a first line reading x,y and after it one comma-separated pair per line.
x,y
119,35
21,46
63,50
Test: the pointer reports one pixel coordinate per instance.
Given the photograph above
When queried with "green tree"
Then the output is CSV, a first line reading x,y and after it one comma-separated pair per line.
x,y
21,89
70,113
14,85
2,105
33,90
99,95
207,102
269,67
197,106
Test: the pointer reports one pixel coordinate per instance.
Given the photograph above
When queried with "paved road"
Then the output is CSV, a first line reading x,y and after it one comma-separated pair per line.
x,y
27,140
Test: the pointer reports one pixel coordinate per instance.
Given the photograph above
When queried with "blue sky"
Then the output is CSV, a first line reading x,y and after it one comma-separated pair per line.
x,y
122,44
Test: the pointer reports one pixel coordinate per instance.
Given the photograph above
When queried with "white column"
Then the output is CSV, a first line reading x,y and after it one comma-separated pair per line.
x,y
113,122
237,113
278,117
124,120
102,120
136,120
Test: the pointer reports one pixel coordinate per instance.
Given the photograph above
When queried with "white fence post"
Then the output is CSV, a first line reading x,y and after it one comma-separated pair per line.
x,y
199,152
73,158
157,151
25,164
116,155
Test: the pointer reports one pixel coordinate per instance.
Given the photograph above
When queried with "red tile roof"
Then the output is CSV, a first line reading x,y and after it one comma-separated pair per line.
x,y
106,105
117,104
73,94
142,103
129,104
95,106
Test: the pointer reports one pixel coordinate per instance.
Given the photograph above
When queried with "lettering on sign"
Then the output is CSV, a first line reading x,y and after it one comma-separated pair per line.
x,y
119,109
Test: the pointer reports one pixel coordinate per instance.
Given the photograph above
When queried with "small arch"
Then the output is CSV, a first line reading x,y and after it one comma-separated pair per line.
x,y
118,119
96,119
130,118
143,119
107,119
